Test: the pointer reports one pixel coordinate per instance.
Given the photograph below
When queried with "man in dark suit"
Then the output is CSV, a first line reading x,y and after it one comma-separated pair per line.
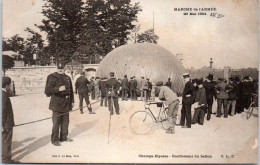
x,y
169,83
210,92
187,101
7,122
102,88
125,87
81,88
92,88
112,87
233,96
149,84
59,87
132,85
135,81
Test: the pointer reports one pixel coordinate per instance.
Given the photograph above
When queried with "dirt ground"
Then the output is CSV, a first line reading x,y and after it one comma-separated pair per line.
x,y
220,140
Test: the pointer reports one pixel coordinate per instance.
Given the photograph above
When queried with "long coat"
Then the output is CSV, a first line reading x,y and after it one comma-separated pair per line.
x,y
210,90
125,84
187,95
102,88
144,84
7,111
233,95
61,101
132,84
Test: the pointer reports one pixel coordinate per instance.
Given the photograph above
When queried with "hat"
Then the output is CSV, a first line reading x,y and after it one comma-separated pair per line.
x,y
112,74
61,65
147,79
237,79
194,81
199,81
159,83
220,78
142,76
6,81
210,77
125,76
82,72
231,78
133,76
185,75
246,77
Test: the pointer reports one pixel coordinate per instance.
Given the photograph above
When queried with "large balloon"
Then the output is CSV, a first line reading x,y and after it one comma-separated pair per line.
x,y
144,59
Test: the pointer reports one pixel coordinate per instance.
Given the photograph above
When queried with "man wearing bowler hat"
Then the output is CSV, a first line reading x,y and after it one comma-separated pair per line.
x,y
81,88
112,87
210,92
187,101
59,88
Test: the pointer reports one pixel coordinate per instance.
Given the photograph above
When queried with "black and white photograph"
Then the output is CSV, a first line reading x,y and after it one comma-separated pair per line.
x,y
130,81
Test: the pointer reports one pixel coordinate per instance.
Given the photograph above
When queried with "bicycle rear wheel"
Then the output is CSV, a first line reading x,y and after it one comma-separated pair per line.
x,y
164,120
141,122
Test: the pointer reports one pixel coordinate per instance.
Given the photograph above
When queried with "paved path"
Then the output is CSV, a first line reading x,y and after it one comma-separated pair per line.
x,y
233,138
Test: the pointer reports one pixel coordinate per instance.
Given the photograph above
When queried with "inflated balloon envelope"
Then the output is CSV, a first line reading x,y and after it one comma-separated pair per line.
x,y
144,59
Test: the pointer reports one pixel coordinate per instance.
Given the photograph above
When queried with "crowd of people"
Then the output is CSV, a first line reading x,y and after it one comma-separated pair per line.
x,y
130,89
233,97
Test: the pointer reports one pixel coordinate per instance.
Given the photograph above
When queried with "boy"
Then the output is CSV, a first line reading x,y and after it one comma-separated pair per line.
x,y
200,104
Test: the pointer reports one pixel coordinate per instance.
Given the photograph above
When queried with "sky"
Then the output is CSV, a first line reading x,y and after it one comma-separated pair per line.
x,y
232,40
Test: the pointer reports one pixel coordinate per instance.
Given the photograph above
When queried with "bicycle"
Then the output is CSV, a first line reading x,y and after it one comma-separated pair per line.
x,y
143,122
252,105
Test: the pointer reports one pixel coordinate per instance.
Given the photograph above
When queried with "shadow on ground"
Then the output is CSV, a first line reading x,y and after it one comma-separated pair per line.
x,y
31,147
21,153
80,128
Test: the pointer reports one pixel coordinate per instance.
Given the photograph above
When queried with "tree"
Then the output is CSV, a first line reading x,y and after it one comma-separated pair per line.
x,y
34,41
101,24
5,45
62,25
147,36
16,43
33,45
8,62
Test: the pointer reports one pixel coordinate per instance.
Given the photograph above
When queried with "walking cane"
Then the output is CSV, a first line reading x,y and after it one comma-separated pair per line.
x,y
110,115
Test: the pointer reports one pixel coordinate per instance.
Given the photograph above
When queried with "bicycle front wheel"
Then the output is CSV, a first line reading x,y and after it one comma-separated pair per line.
x,y
141,122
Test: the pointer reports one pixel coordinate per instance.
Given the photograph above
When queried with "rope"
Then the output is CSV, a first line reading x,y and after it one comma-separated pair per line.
x,y
31,122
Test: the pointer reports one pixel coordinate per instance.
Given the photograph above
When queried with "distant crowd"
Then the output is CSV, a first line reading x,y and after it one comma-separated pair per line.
x,y
234,94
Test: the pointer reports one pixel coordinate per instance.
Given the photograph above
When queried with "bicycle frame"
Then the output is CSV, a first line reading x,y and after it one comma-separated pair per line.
x,y
159,114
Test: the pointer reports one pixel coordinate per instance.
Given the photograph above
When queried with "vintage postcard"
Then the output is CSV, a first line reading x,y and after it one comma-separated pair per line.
x,y
130,81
